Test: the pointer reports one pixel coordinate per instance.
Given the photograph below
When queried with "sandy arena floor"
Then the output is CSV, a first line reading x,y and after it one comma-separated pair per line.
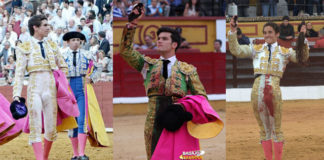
x,y
302,125
129,140
18,149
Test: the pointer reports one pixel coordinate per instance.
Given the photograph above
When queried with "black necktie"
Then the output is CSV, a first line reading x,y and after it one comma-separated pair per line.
x,y
269,48
165,68
74,57
42,49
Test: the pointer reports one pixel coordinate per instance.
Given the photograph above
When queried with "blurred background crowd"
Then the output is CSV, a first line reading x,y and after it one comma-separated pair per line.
x,y
92,18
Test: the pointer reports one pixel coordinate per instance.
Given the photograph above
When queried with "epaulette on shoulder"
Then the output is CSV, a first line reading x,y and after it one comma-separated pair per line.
x,y
186,68
150,60
25,47
284,50
258,47
52,44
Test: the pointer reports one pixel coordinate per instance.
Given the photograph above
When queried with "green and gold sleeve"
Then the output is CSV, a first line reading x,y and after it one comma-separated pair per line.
x,y
131,56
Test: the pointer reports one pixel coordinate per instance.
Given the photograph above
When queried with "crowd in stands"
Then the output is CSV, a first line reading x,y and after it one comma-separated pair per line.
x,y
92,18
270,7
165,8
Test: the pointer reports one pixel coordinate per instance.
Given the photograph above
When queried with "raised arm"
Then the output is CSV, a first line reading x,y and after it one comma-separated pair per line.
x,y
131,56
241,51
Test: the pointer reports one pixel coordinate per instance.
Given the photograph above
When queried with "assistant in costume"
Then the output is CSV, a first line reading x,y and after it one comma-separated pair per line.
x,y
39,57
269,63
165,79
78,61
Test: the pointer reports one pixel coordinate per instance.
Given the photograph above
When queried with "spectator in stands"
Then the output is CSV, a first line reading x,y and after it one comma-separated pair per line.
x,y
85,29
154,10
106,25
9,70
106,10
310,6
5,53
320,43
183,41
26,18
269,5
310,32
102,60
149,44
71,26
286,29
243,6
217,46
78,15
118,10
24,35
103,43
299,7
94,45
96,25
176,7
5,17
15,3
241,38
80,6
67,10
28,5
192,8
92,6
59,20
165,8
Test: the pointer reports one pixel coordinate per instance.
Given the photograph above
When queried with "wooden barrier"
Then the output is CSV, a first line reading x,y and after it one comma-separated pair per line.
x,y
239,72
210,66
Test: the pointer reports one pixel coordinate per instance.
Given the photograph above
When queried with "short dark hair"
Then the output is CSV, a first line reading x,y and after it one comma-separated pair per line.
x,y
80,27
92,14
35,21
285,18
300,25
82,19
238,31
80,2
102,34
272,25
175,36
59,9
219,41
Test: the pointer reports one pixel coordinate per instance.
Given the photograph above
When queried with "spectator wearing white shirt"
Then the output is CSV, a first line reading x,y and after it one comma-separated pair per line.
x,y
85,29
67,11
95,23
24,35
80,5
26,18
7,38
93,7
71,26
78,16
13,35
58,20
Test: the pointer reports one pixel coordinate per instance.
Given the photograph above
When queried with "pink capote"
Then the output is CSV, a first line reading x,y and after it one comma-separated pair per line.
x,y
65,100
171,145
7,120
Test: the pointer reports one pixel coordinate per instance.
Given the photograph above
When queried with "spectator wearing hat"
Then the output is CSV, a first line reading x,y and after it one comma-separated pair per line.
x,y
104,43
286,30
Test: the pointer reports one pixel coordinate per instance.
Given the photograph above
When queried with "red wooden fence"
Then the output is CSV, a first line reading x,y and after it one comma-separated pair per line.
x,y
210,66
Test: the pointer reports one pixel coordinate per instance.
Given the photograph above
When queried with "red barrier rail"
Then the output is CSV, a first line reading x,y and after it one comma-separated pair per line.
x,y
210,66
